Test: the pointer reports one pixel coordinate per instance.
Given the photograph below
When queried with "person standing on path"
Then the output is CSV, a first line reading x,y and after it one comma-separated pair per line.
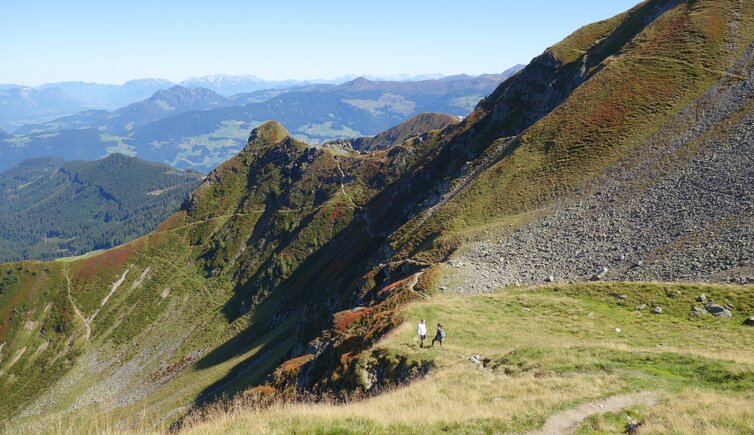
x,y
421,329
439,336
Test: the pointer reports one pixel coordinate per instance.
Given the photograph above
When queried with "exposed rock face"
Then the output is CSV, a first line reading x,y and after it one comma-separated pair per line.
x,y
341,145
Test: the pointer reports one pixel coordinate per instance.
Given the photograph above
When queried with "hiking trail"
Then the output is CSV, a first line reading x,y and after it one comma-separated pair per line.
x,y
568,421
342,185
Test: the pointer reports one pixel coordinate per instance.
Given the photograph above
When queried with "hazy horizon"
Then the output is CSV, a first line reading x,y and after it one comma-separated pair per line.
x,y
46,41
341,78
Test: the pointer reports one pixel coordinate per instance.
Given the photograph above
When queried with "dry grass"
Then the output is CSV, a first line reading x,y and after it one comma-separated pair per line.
x,y
548,350
702,411
485,400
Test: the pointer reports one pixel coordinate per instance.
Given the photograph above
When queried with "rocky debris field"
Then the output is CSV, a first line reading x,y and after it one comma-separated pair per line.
x,y
679,207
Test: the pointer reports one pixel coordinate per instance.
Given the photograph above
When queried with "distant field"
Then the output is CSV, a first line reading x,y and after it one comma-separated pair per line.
x,y
79,257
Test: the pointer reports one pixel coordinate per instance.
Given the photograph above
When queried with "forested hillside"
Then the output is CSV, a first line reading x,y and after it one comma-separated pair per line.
x,y
50,208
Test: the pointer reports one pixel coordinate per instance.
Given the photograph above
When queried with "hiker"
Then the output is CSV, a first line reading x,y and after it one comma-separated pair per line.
x,y
422,331
440,336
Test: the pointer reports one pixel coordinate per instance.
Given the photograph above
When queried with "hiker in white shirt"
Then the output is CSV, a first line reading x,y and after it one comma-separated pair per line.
x,y
421,329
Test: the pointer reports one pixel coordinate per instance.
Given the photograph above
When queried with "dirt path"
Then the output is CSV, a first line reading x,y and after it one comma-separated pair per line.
x,y
567,422
75,308
414,280
342,185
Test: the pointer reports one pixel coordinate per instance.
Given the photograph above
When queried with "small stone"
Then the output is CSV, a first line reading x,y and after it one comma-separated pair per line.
x,y
749,321
600,275
657,310
476,359
621,297
641,307
702,298
617,330
718,311
549,278
637,264
674,294
633,427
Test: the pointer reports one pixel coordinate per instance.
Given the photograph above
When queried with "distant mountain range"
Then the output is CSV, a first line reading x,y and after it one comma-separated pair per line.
x,y
21,104
162,104
235,84
105,96
51,208
198,128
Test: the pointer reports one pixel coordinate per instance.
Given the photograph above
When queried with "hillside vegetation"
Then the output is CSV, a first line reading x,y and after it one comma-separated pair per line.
x,y
297,272
516,357
50,208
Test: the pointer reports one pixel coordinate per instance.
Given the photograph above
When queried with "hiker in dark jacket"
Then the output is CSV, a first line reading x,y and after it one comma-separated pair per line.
x,y
439,336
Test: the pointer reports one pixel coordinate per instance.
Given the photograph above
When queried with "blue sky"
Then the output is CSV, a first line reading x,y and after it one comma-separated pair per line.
x,y
114,41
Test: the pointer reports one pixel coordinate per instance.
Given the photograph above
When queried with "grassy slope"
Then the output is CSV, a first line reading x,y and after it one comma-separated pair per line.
x,y
549,349
175,329
629,96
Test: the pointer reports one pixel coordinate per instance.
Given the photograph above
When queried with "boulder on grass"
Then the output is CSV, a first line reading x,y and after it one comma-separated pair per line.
x,y
718,311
